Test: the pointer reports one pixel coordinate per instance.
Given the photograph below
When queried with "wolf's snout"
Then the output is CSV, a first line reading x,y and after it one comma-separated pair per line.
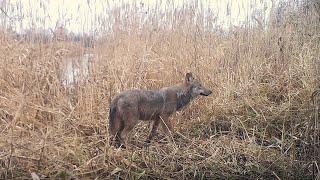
x,y
206,93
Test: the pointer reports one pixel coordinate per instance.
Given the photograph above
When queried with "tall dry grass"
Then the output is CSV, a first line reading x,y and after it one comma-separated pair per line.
x,y
262,120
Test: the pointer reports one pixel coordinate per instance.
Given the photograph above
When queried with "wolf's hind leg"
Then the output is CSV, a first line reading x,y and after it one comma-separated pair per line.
x,y
130,120
114,133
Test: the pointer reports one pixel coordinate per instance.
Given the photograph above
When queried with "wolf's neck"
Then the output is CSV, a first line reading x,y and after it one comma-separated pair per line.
x,y
183,99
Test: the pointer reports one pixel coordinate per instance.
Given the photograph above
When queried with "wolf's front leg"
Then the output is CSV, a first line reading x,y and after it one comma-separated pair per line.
x,y
168,129
153,131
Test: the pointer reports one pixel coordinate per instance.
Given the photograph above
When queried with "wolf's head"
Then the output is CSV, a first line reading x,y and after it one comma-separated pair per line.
x,y
194,86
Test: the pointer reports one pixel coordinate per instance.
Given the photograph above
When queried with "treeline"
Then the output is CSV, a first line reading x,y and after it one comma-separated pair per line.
x,y
60,34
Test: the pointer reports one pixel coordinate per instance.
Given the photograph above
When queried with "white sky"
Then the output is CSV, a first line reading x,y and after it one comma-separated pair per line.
x,y
79,15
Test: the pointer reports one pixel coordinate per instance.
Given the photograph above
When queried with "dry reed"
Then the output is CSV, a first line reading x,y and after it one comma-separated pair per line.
x,y
260,122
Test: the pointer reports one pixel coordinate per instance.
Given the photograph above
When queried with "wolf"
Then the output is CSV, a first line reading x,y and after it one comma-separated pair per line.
x,y
157,106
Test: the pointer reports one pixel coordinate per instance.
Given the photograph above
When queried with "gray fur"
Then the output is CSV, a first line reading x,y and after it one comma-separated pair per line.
x,y
151,105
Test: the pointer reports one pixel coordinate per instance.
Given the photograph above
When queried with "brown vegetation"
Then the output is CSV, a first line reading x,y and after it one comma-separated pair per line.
x,y
262,120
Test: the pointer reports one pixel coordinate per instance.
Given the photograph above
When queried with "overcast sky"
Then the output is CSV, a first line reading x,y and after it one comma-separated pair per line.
x,y
79,15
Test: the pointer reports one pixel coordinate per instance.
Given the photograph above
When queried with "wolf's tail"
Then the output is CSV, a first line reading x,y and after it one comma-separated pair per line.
x,y
112,119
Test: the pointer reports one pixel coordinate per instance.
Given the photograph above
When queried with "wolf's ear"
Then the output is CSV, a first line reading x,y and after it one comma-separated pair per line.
x,y
189,77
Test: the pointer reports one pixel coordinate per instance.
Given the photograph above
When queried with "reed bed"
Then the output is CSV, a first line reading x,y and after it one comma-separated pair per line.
x,y
261,122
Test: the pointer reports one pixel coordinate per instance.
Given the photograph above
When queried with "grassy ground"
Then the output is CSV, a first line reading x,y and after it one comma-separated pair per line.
x,y
261,122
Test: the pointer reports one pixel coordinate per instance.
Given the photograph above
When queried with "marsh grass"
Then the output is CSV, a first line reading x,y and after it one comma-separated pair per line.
x,y
261,121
